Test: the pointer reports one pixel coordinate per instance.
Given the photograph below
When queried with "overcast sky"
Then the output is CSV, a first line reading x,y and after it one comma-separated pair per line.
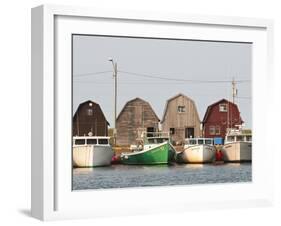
x,y
172,59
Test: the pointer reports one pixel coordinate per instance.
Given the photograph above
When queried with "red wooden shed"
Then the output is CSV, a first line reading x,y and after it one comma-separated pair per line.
x,y
219,116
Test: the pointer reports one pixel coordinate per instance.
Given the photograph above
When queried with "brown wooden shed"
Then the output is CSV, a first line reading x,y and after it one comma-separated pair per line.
x,y
181,118
137,116
219,116
89,118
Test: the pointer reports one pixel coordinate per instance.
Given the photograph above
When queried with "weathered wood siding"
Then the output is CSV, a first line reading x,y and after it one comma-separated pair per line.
x,y
136,116
223,120
180,121
89,118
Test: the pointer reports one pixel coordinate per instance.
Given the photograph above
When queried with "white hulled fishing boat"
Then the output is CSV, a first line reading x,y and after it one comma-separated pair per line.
x,y
238,145
91,151
197,150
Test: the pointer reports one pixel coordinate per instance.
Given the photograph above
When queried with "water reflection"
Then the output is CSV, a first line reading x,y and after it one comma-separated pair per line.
x,y
120,176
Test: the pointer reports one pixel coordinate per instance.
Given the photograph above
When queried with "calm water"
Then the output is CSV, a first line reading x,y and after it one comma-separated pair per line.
x,y
121,176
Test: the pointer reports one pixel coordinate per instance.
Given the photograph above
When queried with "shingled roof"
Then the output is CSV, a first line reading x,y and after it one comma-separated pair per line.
x,y
136,99
210,107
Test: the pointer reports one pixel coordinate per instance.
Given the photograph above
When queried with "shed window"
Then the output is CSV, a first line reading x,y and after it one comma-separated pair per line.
x,y
172,131
90,112
181,109
218,130
223,107
212,130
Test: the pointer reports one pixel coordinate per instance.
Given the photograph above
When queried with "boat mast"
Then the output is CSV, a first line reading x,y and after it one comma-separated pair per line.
x,y
234,90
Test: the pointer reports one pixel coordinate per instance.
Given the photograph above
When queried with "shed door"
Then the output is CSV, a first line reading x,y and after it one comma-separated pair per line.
x,y
150,131
189,132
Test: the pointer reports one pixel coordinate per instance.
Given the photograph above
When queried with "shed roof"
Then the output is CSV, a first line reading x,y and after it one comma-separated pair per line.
x,y
87,102
207,113
138,99
174,97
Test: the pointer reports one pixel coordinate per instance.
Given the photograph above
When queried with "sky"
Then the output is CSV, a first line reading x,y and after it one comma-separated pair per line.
x,y
158,69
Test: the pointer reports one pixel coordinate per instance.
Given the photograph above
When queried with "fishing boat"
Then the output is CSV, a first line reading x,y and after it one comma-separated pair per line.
x,y
149,155
152,139
238,145
197,150
91,151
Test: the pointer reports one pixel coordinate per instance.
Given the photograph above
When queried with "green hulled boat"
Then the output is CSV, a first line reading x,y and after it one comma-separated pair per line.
x,y
150,138
150,155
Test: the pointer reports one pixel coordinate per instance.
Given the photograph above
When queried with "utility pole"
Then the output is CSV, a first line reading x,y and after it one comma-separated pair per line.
x,y
115,97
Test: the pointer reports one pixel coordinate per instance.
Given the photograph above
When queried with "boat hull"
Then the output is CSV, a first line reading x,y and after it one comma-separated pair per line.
x,y
92,156
238,152
149,156
197,154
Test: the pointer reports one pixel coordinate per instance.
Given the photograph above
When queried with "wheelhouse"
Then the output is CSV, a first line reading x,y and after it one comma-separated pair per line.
x,y
236,138
199,141
80,141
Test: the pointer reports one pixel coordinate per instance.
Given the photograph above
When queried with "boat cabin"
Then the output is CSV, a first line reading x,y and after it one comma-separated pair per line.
x,y
155,137
86,140
199,141
237,136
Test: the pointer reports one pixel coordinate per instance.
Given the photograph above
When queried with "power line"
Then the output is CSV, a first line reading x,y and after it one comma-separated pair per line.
x,y
181,80
160,77
244,97
91,73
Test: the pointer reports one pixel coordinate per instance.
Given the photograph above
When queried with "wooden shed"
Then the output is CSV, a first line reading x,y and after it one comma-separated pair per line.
x,y
137,116
181,118
89,118
219,116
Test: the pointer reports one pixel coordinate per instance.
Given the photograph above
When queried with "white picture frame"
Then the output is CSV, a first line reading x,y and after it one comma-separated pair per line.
x,y
52,197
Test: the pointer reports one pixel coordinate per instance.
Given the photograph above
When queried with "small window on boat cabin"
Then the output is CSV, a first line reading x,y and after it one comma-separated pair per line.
x,y
200,141
223,107
90,112
208,141
212,130
181,109
80,141
218,130
230,138
151,140
248,138
172,131
103,141
239,138
91,141
192,141
160,140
